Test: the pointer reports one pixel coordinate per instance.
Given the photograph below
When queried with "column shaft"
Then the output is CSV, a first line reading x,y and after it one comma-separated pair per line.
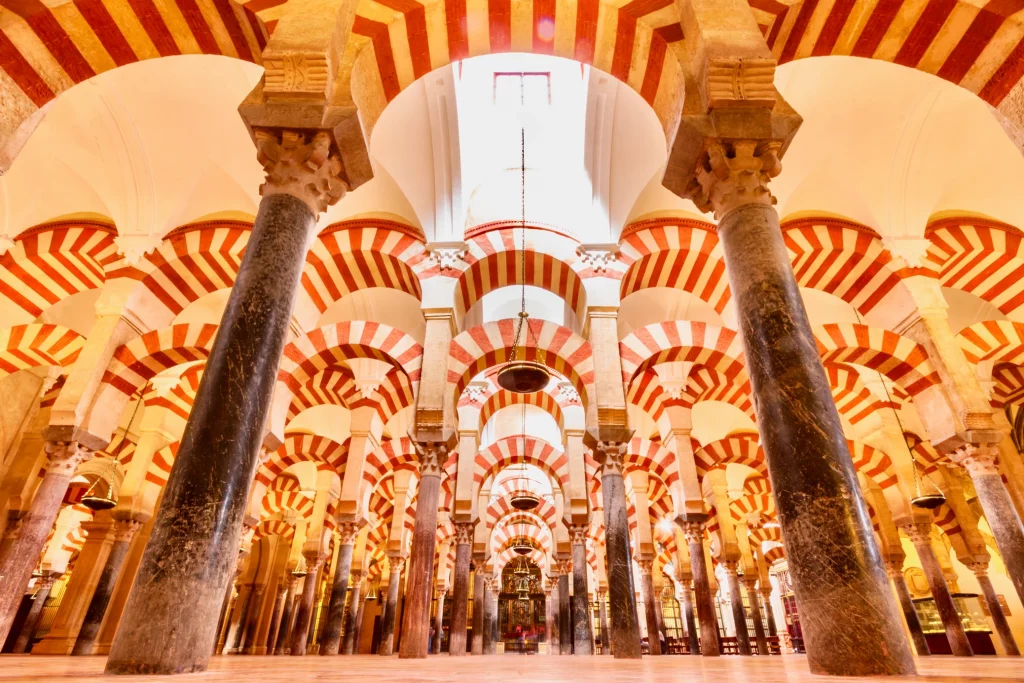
x,y
439,623
602,615
581,627
755,607
304,611
387,623
650,610
90,630
739,615
702,591
287,619
336,610
357,631
28,631
420,587
354,604
490,621
477,646
835,562
252,621
553,617
998,618
955,633
625,630
909,611
564,616
691,624
275,621
460,598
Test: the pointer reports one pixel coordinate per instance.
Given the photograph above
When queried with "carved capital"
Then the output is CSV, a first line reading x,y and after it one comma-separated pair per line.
x,y
396,563
347,532
894,567
475,391
463,533
578,534
646,567
598,256
564,567
13,528
64,457
693,531
46,581
736,174
979,461
918,534
302,166
610,455
749,582
124,529
431,458
447,255
980,568
567,392
731,567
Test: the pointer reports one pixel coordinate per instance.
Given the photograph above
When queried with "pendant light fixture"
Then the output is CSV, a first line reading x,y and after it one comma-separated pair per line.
x,y
523,497
519,375
97,500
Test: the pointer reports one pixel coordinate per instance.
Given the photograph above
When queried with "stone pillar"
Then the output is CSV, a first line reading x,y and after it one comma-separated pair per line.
x,y
564,615
894,566
694,532
236,620
980,570
755,606
490,615
439,622
602,615
835,562
358,629
625,630
650,610
275,620
252,619
331,644
582,632
739,615
304,610
552,613
287,619
124,531
28,631
387,623
766,594
477,646
920,535
420,587
1000,512
354,605
21,555
191,551
460,588
688,618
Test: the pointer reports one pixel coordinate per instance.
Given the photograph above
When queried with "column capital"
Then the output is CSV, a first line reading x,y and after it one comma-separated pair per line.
x,y
749,582
578,534
734,174
610,455
124,529
646,566
64,457
978,460
693,531
347,532
431,458
396,563
301,165
978,567
464,533
731,567
13,528
894,566
918,532
564,567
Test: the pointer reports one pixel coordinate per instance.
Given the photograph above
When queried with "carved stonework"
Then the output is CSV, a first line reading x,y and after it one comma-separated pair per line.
x,y
124,529
296,74
133,247
463,533
301,167
431,457
474,391
739,82
894,567
563,567
730,566
749,582
578,534
736,174
694,531
347,532
646,567
979,568
64,457
12,528
919,534
610,454
396,563
598,256
567,392
446,255
977,460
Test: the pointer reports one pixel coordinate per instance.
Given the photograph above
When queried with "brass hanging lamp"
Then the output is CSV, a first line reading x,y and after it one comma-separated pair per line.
x,y
523,497
927,501
300,568
97,500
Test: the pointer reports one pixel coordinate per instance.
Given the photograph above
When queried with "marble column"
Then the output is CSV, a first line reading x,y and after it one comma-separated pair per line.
x,y
625,629
387,623
191,552
354,605
331,644
439,622
739,615
602,615
694,531
252,620
490,616
565,627
650,610
766,595
21,555
35,612
236,627
287,619
833,556
124,531
477,646
275,620
460,589
304,609
582,631
920,535
553,618
755,607
1000,512
895,569
420,587
358,628
995,610
691,625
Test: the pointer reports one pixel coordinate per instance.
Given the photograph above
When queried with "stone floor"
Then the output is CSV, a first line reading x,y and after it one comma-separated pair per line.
x,y
503,669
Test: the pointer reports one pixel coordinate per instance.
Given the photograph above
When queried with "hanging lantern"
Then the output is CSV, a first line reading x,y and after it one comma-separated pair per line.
x,y
96,501
926,501
523,378
525,500
372,593
300,568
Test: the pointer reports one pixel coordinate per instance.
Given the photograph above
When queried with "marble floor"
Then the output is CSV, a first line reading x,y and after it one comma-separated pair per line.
x,y
503,669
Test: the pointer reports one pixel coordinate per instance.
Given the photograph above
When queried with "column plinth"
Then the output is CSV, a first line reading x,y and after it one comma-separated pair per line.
x,y
582,631
460,590
336,610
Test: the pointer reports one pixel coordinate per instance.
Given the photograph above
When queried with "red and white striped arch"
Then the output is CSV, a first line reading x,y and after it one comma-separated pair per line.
x,y
742,449
757,499
53,261
873,463
646,393
500,507
178,399
999,341
477,409
277,502
515,450
274,527
982,257
682,340
490,344
1009,385
393,454
708,384
303,448
37,345
853,400
676,253
900,359
159,468
976,44
653,458
335,385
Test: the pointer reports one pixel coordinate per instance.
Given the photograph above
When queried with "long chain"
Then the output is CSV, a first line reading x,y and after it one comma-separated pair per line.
x,y
522,228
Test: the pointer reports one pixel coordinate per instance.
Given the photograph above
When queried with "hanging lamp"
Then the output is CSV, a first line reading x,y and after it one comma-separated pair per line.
x,y
97,501
927,501
300,568
523,497
519,375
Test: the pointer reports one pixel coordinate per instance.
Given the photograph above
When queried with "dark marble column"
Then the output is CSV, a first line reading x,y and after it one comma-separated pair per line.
x,y
895,569
830,544
553,618
766,594
920,535
275,620
358,628
691,625
439,621
387,623
287,619
252,622
658,613
650,610
420,587
694,531
490,616
304,610
477,646
755,607
460,589
582,632
625,628
995,610
28,630
124,530
191,552
355,603
336,610
602,615
1000,512
21,555
564,613
739,615
236,627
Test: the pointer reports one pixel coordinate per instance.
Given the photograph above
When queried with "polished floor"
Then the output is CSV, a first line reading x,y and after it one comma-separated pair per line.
x,y
504,669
